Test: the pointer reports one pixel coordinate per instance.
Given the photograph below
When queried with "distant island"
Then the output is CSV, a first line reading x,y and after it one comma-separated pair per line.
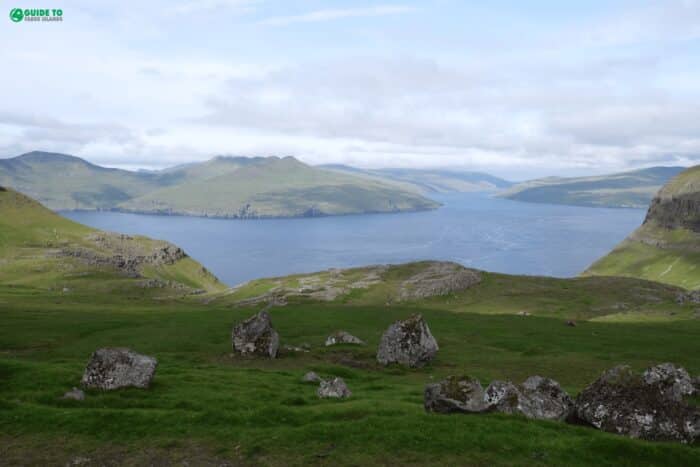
x,y
633,189
225,187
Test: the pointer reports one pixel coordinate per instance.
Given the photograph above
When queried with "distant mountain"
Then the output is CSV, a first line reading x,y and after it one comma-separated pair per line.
x,y
274,187
39,248
235,187
666,248
431,180
621,190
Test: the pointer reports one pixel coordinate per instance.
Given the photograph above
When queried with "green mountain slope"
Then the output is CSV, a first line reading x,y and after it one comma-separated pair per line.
x,y
274,187
238,187
61,182
41,249
622,190
431,180
666,248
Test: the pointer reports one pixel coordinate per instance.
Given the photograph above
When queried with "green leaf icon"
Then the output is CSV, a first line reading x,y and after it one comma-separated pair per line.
x,y
16,15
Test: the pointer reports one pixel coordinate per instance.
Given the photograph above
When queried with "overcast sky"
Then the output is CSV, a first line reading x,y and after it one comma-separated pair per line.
x,y
517,88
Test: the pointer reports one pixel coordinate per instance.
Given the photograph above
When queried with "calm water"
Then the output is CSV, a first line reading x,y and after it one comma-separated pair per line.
x,y
472,229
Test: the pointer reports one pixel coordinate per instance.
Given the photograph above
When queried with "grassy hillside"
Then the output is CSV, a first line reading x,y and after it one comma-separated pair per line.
x,y
238,187
623,190
209,408
274,187
41,249
666,248
431,180
61,182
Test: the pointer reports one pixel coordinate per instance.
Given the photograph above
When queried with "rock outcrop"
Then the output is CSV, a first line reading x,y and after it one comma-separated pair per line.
x,y
675,211
343,337
407,343
439,278
624,402
114,368
455,394
256,337
334,388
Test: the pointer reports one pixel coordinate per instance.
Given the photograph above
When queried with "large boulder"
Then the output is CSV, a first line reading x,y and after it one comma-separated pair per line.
x,y
256,336
673,382
624,402
455,394
343,337
114,368
334,388
538,398
408,343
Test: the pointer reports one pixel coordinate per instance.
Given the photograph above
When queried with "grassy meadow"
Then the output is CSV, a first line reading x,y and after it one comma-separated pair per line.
x,y
207,407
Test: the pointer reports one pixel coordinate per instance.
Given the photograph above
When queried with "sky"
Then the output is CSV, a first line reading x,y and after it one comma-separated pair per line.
x,y
520,89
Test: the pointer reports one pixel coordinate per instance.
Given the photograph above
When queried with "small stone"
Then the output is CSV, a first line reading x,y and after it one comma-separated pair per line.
x,y
523,313
455,394
343,337
256,336
75,394
335,388
407,343
114,368
571,323
311,377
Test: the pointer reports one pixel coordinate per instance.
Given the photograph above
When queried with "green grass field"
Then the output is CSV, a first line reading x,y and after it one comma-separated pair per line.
x,y
207,406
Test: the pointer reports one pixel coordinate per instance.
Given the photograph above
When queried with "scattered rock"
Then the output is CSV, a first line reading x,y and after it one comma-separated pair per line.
x,y
455,394
571,323
256,336
673,382
439,278
408,343
688,297
292,348
113,368
75,394
523,313
311,377
623,402
343,337
335,388
538,398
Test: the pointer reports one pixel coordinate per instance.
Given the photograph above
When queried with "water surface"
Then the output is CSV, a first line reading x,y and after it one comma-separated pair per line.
x,y
472,229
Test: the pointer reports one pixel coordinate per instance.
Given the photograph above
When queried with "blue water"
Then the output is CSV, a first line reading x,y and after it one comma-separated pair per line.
x,y
475,230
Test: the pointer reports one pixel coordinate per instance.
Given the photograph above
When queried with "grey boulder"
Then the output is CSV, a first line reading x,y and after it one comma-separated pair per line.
x,y
114,368
334,388
537,398
407,343
455,394
343,337
256,337
624,402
